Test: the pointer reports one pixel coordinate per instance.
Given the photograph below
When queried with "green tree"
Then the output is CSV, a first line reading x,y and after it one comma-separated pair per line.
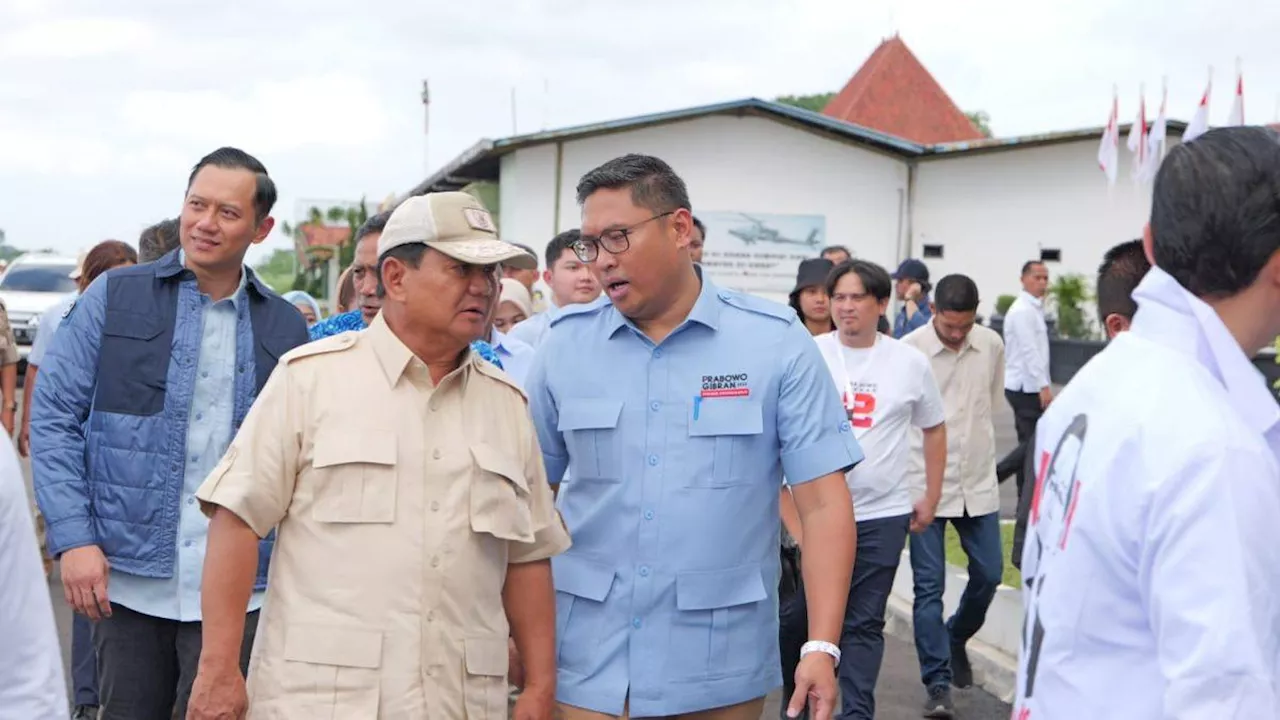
x,y
814,102
314,280
1070,292
981,120
279,270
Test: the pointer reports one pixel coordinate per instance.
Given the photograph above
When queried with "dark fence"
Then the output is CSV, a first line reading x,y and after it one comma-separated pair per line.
x,y
1068,356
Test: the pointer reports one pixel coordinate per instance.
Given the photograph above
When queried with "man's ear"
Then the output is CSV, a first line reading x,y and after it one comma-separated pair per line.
x,y
264,229
1147,244
1115,324
393,271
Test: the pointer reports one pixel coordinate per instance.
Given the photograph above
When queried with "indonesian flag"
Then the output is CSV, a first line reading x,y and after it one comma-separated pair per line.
x,y
1200,121
1237,107
1109,149
1138,141
1157,138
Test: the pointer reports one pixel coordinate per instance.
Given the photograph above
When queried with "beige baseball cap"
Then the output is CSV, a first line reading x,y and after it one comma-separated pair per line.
x,y
453,223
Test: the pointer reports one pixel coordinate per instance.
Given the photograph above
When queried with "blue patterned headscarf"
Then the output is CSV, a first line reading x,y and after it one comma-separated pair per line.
x,y
354,320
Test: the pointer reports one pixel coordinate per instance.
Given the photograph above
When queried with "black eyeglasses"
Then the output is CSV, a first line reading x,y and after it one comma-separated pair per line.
x,y
615,241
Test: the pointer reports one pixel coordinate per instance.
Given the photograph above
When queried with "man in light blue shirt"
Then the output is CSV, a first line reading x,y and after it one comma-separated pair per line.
x,y
515,356
571,282
677,406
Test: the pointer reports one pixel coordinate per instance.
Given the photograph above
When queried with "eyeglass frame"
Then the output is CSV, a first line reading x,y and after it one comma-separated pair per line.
x,y
585,243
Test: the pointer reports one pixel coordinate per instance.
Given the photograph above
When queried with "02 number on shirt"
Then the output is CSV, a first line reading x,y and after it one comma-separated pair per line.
x,y
859,406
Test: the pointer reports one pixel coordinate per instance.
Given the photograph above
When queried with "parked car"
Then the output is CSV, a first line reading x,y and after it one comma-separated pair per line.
x,y
30,285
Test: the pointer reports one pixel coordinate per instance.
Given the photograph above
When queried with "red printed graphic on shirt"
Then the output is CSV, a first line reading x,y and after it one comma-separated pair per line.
x,y
860,404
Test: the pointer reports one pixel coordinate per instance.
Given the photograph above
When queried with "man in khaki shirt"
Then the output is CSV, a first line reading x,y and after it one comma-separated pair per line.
x,y
968,364
413,511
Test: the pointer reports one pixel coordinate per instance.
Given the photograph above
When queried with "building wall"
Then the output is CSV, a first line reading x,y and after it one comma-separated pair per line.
x,y
747,164
993,212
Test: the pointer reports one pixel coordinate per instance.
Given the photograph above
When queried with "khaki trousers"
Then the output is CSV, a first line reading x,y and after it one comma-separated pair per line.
x,y
750,710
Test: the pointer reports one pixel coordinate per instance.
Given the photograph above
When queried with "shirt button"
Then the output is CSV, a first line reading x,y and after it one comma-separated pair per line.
x,y
240,369
655,405
431,616
844,426
648,514
432,406
656,353
435,506
191,501
204,374
199,416
653,459
435,562
644,571
187,543
195,458
436,453
635,623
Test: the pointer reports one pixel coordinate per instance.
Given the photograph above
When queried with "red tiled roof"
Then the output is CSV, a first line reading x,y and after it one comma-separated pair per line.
x,y
893,92
325,234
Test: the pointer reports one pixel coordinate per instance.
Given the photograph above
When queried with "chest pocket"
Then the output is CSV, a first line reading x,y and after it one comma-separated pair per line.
x,y
590,429
724,431
355,477
132,364
500,496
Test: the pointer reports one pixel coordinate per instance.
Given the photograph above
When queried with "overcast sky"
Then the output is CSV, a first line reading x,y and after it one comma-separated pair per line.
x,y
106,104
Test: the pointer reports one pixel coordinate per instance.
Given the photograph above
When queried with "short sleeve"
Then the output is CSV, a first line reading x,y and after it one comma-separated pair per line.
x,y
550,536
814,432
256,476
928,410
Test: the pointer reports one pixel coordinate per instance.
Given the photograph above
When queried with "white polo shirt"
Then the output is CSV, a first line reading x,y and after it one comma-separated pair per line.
x,y
32,684
1152,558
887,389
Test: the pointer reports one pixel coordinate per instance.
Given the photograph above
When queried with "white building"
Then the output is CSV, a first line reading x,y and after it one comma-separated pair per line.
x,y
979,207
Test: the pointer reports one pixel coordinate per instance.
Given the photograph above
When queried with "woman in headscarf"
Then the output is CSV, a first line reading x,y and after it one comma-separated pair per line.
x,y
514,305
306,305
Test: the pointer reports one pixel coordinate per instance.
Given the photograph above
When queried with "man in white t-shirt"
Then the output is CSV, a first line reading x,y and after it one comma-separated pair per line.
x,y
888,388
1151,568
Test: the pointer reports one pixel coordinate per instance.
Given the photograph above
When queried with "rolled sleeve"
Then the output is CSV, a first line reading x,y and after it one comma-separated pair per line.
x,y
551,537
813,427
1208,577
546,417
255,478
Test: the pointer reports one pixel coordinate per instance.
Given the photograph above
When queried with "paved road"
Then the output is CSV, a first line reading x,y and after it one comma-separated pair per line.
x,y
899,694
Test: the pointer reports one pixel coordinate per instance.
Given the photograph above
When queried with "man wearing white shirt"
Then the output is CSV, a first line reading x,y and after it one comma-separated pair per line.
x,y
571,283
887,388
1027,386
32,684
1152,558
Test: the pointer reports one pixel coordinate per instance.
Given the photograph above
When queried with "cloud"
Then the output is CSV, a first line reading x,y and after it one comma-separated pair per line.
x,y
70,38
334,110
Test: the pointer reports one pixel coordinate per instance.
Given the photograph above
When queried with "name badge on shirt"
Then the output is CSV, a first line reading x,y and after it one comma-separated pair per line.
x,y
733,385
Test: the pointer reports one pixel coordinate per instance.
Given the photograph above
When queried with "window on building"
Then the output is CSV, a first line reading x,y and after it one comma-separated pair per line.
x,y
1050,255
932,251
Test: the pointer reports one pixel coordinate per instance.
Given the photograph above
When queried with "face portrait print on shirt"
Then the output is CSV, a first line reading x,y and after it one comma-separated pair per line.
x,y
1053,506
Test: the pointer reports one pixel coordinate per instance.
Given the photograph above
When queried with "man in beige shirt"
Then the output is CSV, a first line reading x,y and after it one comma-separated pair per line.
x,y
968,362
415,522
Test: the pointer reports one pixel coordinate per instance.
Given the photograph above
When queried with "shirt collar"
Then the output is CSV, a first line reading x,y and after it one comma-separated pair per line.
x,y
706,310
1035,301
395,358
1171,316
174,265
497,340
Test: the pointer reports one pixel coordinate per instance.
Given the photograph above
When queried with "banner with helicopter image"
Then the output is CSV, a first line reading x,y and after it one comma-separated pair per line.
x,y
759,253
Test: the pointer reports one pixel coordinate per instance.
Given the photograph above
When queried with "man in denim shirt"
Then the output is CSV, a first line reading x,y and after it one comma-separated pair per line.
x,y
151,373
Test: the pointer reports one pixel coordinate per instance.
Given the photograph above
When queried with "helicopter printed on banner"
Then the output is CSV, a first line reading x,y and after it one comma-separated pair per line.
x,y
759,252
